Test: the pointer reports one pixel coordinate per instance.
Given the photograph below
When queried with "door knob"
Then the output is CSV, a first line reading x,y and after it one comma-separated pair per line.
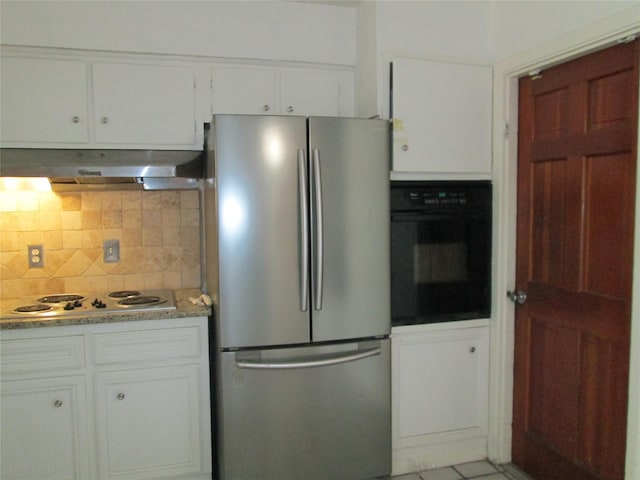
x,y
517,296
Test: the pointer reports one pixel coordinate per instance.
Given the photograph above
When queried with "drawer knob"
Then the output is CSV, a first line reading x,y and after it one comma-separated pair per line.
x,y
75,119
104,120
472,349
57,403
404,147
266,108
121,396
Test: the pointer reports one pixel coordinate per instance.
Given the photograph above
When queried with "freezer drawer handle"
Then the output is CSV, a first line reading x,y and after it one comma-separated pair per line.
x,y
319,234
316,363
304,231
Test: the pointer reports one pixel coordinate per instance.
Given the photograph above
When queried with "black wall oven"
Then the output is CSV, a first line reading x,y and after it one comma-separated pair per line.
x,y
440,251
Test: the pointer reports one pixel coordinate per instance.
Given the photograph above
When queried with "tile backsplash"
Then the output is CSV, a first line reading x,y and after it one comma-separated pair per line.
x,y
158,231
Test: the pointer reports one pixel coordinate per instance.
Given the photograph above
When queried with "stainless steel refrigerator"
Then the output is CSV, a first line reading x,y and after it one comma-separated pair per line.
x,y
297,230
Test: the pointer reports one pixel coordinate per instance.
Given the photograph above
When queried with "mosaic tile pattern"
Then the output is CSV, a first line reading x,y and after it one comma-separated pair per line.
x,y
159,234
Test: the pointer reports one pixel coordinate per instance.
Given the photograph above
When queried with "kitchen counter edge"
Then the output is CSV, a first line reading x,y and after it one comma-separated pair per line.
x,y
184,308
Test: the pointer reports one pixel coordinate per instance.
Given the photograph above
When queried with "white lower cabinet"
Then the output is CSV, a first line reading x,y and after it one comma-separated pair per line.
x,y
126,400
439,395
44,429
148,422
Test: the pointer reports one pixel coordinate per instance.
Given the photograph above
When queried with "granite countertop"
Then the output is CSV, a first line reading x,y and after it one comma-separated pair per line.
x,y
184,308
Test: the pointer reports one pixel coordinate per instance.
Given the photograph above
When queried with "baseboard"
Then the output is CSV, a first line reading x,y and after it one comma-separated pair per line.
x,y
426,457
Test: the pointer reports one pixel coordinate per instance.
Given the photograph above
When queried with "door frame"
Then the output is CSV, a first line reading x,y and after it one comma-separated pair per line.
x,y
596,36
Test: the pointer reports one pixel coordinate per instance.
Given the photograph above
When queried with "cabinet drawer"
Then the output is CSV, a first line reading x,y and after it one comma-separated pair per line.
x,y
42,354
123,347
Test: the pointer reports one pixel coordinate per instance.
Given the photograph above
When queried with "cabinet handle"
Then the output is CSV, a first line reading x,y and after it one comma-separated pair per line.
x,y
405,147
289,109
472,349
121,396
266,108
104,120
57,403
75,119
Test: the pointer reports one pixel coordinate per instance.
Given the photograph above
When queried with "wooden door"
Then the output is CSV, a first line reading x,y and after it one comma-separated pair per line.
x,y
576,191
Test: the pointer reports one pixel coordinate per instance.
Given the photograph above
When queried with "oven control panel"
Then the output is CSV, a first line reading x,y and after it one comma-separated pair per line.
x,y
436,196
439,197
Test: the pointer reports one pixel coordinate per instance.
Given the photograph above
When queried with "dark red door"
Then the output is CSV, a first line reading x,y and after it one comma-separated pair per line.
x,y
576,189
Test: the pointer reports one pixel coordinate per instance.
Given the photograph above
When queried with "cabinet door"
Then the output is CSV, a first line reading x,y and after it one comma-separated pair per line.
x,y
149,422
43,429
144,104
244,90
43,101
310,93
441,117
440,382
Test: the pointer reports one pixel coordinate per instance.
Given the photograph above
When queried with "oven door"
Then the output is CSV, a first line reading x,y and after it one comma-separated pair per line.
x,y
440,267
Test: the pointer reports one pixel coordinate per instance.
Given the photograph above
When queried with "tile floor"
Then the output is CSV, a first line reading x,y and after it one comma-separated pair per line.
x,y
482,470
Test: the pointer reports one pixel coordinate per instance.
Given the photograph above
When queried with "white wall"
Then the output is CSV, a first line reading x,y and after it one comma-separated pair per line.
x,y
367,68
522,25
446,30
274,30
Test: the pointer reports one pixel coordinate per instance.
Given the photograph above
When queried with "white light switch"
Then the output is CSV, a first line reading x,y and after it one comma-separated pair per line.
x,y
111,251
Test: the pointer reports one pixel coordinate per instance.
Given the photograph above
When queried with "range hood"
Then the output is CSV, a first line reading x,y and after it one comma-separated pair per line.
x,y
70,169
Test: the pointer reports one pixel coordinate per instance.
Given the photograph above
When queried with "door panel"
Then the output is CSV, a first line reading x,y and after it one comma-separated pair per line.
x,y
259,239
354,167
576,191
609,189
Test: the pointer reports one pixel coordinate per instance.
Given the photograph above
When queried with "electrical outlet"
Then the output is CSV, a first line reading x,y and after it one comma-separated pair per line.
x,y
35,253
111,251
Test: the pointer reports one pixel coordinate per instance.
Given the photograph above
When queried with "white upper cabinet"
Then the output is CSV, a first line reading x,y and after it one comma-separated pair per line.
x,y
310,93
44,101
441,117
244,90
144,104
241,89
60,103
98,101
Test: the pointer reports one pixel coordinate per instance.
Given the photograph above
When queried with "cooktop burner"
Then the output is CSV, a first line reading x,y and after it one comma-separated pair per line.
x,y
66,304
60,298
36,308
142,300
124,293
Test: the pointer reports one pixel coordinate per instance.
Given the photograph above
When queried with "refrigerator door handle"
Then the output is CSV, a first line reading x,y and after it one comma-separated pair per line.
x,y
351,357
319,234
303,207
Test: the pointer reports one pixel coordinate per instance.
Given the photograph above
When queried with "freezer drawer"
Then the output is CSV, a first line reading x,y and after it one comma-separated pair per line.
x,y
321,412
